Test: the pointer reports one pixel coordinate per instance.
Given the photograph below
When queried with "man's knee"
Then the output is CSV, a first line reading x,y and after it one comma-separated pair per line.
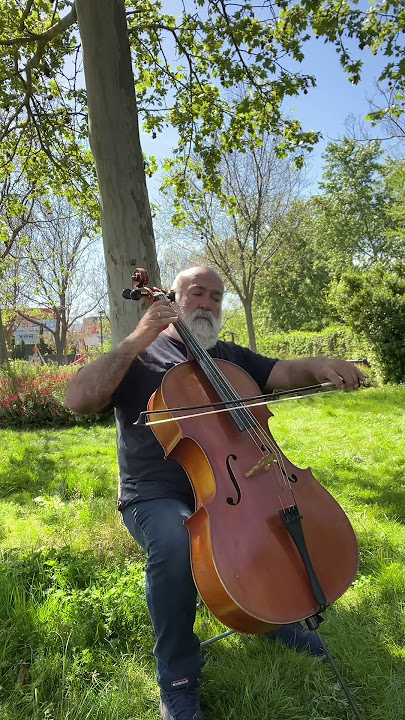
x,y
172,551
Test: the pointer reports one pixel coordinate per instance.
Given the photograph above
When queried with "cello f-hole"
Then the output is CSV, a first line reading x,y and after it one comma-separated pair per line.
x,y
230,500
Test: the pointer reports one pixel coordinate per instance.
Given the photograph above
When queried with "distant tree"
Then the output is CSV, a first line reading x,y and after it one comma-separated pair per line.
x,y
16,277
239,227
372,302
293,291
387,108
394,184
17,199
358,222
59,253
3,345
356,217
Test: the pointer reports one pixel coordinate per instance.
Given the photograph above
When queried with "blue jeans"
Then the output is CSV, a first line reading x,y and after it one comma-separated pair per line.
x,y
157,525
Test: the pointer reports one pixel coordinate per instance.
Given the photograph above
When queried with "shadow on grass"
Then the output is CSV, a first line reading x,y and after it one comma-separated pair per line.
x,y
80,601
29,474
71,615
76,615
366,486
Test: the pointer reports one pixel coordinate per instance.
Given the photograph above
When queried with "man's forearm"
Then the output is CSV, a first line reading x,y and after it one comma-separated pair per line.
x,y
289,374
91,389
304,371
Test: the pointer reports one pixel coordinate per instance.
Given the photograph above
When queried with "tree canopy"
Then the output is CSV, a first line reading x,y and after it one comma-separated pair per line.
x,y
181,64
240,229
358,221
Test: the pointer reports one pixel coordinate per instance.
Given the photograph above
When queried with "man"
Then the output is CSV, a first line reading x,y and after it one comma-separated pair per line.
x,y
156,497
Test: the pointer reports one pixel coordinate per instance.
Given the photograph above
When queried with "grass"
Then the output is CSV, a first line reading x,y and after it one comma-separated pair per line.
x,y
75,637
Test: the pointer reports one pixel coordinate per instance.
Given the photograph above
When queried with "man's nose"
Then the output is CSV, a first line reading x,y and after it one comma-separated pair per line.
x,y
205,304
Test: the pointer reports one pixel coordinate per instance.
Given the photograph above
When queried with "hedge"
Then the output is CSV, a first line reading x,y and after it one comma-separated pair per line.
x,y
334,341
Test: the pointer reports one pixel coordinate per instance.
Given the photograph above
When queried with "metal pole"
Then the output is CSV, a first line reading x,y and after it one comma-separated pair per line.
x,y
101,329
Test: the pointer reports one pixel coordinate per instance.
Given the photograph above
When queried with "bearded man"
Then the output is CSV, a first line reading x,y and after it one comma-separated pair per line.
x,y
155,494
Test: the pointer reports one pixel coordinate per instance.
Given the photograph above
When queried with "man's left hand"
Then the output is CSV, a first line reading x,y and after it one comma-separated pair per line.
x,y
290,374
345,375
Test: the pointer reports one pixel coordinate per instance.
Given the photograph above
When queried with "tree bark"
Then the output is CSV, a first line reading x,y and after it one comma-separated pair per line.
x,y
3,346
60,357
247,306
114,140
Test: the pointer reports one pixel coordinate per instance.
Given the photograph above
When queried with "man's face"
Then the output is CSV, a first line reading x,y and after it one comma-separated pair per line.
x,y
200,304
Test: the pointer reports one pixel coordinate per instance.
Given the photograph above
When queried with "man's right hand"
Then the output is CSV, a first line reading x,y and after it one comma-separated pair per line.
x,y
157,318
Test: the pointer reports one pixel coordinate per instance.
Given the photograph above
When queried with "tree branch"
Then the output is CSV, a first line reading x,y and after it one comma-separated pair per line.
x,y
49,34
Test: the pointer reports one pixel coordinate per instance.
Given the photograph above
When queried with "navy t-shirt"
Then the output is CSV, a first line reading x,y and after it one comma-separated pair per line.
x,y
145,474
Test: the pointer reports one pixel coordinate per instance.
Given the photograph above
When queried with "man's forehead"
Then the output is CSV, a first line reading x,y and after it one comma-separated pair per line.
x,y
201,285
205,280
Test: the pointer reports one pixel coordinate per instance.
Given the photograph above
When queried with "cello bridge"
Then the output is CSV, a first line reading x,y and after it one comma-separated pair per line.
x,y
265,463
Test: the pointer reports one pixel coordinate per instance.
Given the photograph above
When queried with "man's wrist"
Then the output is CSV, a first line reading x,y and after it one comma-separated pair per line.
x,y
131,346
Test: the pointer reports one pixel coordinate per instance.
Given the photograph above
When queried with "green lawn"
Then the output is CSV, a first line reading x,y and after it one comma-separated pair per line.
x,y
75,639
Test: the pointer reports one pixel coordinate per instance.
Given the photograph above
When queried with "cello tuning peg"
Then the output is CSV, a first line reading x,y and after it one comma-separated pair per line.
x,y
131,294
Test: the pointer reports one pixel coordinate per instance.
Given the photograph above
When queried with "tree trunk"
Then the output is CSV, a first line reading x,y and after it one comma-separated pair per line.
x,y
63,340
247,306
60,358
114,139
3,346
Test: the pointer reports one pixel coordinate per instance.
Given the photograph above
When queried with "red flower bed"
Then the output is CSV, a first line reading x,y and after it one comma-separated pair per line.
x,y
37,400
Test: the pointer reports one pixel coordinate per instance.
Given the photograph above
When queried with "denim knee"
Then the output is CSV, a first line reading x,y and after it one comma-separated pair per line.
x,y
171,554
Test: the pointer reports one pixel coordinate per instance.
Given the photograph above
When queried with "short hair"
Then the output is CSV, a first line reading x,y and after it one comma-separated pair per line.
x,y
189,271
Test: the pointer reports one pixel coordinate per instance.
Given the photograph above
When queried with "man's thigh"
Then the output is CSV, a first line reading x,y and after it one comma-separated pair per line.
x,y
159,525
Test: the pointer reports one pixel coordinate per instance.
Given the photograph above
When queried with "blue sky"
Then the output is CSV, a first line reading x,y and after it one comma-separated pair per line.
x,y
325,108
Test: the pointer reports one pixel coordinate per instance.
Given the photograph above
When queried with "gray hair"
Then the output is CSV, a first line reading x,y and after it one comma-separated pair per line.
x,y
176,284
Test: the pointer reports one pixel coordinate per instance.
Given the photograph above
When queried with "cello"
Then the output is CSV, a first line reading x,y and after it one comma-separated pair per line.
x,y
268,544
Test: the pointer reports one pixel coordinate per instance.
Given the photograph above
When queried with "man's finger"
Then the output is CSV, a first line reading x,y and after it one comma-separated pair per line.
x,y
336,379
345,377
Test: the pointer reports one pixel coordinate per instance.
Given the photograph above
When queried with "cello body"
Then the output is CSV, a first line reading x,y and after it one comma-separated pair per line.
x,y
245,564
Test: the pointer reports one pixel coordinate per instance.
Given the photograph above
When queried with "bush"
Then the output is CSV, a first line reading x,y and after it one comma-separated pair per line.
x,y
32,395
338,341
372,302
335,341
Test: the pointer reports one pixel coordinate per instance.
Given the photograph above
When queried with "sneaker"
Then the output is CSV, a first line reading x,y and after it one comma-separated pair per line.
x,y
181,704
299,638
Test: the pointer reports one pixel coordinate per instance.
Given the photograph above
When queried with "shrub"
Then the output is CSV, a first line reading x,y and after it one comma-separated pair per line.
x,y
33,396
372,302
334,341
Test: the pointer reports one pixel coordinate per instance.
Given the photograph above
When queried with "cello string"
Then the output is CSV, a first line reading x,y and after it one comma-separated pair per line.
x,y
217,378
266,439
220,382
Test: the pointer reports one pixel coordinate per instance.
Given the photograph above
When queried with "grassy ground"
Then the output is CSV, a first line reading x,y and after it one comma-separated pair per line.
x,y
75,639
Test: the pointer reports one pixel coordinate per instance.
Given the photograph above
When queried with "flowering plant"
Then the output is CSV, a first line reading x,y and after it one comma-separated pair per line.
x,y
36,398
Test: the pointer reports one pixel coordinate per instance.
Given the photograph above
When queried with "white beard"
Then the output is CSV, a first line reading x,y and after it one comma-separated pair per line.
x,y
206,331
